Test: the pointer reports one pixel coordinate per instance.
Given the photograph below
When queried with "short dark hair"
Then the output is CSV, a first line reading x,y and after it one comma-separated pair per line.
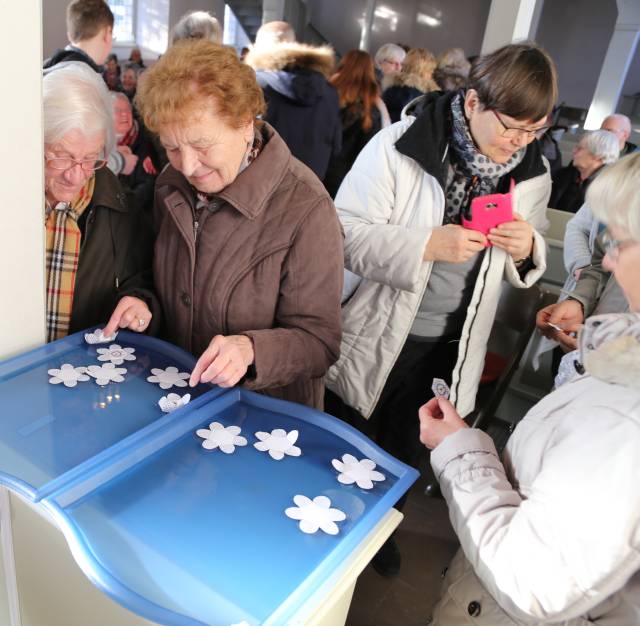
x,y
86,18
518,80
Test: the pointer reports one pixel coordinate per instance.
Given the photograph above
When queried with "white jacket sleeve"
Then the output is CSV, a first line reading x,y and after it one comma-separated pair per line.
x,y
572,541
577,249
375,247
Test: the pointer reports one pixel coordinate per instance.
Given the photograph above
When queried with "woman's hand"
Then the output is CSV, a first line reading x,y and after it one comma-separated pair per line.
x,y
438,420
560,318
224,362
515,238
453,244
131,313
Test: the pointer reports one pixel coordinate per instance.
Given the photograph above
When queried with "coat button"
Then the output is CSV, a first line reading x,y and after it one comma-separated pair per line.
x,y
474,608
186,299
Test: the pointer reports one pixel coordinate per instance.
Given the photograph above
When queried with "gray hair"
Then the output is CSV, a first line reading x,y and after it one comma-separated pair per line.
x,y
613,195
389,52
197,25
76,98
602,144
118,95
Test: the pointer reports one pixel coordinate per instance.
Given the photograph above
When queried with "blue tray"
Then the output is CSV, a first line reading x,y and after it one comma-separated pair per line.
x,y
177,533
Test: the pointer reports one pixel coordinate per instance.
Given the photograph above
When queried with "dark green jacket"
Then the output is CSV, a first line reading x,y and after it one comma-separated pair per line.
x,y
115,257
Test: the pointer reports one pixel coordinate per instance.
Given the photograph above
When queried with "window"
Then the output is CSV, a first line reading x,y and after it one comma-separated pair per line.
x,y
124,27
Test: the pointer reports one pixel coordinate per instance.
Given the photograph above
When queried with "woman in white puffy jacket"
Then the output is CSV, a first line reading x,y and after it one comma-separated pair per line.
x,y
428,287
552,535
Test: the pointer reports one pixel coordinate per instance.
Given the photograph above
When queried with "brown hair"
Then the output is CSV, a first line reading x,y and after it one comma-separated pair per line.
x,y
518,80
192,71
417,70
355,82
86,18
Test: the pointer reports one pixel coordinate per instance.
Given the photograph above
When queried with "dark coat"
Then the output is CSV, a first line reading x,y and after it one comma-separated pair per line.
x,y
301,103
115,257
267,263
354,138
139,182
568,191
397,97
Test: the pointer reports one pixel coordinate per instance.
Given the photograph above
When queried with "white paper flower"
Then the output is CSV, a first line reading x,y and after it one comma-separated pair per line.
x,y
315,514
116,354
219,436
107,373
67,375
278,443
440,388
98,337
362,473
173,401
169,377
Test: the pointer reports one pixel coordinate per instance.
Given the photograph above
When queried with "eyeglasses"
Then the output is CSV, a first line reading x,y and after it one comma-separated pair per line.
x,y
63,164
613,246
512,132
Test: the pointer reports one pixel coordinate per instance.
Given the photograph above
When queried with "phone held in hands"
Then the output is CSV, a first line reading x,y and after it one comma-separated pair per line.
x,y
490,211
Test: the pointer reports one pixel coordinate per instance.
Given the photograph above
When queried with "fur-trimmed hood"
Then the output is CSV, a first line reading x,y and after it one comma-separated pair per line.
x,y
610,348
293,55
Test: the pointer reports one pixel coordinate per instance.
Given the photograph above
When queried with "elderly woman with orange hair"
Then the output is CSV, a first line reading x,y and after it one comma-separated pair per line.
x,y
248,254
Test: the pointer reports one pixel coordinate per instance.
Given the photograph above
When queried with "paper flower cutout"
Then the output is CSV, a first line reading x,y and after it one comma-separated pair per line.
x,y
107,373
362,473
68,375
440,388
219,436
173,401
315,514
116,354
97,337
169,377
278,443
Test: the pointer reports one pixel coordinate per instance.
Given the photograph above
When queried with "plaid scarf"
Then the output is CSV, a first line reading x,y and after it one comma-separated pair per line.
x,y
63,250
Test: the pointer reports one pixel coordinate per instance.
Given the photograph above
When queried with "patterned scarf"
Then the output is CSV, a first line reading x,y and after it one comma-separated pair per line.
x,y
470,173
63,250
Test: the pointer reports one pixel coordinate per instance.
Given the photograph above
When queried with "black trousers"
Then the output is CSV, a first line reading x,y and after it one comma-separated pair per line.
x,y
394,423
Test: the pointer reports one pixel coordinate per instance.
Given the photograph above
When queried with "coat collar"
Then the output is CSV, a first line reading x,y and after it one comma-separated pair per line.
x,y
108,193
251,191
292,55
426,141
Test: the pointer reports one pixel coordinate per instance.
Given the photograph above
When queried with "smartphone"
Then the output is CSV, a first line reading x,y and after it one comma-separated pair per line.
x,y
490,211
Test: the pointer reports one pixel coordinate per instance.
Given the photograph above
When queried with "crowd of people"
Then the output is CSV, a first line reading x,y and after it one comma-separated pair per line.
x,y
302,227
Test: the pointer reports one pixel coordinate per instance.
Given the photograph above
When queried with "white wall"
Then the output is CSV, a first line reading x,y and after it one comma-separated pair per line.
x,y
21,164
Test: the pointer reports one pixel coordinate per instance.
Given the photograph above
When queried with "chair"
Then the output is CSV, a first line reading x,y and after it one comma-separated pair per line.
x,y
513,326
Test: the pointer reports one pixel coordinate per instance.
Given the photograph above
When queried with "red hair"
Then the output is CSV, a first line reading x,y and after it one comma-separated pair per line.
x,y
356,83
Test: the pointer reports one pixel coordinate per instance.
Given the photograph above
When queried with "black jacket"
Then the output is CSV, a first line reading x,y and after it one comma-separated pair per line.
x,y
115,257
568,191
354,138
397,97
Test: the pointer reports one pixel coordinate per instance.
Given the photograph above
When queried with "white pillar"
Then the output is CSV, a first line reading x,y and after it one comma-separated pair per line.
x,y
509,21
616,64
22,304
273,11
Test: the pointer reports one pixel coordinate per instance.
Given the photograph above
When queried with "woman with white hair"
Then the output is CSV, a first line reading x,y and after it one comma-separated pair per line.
x,y
97,251
197,25
595,150
553,534
389,58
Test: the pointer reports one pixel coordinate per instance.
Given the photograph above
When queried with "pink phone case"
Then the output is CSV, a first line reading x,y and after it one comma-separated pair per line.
x,y
490,211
